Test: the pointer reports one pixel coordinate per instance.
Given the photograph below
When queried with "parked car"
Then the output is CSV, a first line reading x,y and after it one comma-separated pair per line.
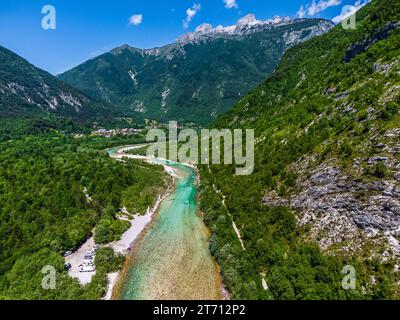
x,y
67,266
67,253
86,264
88,257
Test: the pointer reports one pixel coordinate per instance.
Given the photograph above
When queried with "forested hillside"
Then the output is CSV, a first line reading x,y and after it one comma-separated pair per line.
x,y
196,78
31,99
54,190
325,190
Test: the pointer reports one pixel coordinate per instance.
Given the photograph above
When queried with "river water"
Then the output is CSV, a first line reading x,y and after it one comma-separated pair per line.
x,y
172,260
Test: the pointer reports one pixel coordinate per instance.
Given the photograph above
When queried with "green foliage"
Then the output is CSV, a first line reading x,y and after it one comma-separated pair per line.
x,y
389,111
314,104
138,199
106,261
44,210
33,99
345,149
379,170
24,280
110,229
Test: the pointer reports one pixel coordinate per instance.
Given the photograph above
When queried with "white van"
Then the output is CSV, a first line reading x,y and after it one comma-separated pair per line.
x,y
87,269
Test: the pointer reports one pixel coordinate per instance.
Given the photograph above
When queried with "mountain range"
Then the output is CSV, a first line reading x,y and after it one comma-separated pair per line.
x,y
198,77
322,204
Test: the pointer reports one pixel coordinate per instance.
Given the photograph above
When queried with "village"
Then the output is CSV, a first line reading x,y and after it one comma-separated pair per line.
x,y
116,132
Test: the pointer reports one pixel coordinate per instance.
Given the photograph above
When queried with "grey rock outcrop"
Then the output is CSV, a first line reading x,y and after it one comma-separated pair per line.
x,y
341,210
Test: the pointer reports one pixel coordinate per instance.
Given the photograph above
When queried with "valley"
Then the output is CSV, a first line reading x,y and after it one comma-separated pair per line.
x,y
200,76
171,260
310,108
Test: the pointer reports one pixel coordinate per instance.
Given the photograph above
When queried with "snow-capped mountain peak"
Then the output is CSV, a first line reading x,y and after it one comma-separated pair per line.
x,y
204,28
244,25
249,20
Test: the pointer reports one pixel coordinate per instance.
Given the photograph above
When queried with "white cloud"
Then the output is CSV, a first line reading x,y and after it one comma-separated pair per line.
x,y
348,13
229,4
190,14
314,8
302,12
136,19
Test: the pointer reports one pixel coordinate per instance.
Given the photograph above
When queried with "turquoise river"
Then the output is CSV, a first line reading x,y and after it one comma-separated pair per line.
x,y
171,260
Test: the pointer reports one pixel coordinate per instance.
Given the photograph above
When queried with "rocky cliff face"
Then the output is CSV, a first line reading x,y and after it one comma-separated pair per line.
x,y
352,206
345,211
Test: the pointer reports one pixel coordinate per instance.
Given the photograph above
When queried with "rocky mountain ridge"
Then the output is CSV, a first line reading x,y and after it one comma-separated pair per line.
x,y
27,91
198,77
244,26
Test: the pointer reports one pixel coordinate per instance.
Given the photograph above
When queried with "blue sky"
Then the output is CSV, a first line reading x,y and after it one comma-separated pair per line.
x,y
87,28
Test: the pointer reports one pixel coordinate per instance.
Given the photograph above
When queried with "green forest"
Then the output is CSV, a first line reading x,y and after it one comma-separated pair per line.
x,y
331,100
44,210
296,113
